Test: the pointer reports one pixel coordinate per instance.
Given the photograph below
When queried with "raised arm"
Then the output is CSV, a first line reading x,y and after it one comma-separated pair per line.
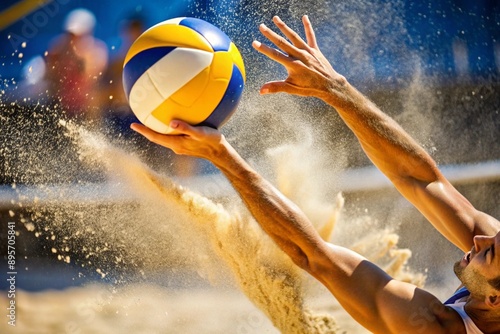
x,y
410,168
374,299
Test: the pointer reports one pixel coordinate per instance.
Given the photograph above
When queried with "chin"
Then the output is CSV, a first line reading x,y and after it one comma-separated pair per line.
x,y
459,267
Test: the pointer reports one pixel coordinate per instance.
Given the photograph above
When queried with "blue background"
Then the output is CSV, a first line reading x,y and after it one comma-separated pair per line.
x,y
430,27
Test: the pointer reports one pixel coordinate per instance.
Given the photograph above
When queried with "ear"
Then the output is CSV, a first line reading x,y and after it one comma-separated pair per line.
x,y
493,301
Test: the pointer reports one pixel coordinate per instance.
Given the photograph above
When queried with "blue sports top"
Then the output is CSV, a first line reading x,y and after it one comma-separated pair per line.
x,y
459,294
457,302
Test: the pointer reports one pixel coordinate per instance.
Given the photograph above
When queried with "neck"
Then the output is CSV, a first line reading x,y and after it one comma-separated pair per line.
x,y
485,318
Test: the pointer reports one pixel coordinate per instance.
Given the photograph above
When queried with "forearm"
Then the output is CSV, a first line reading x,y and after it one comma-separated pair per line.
x,y
387,145
411,169
281,219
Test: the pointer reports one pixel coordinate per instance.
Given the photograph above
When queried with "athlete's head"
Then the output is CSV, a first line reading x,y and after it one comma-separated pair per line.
x,y
479,269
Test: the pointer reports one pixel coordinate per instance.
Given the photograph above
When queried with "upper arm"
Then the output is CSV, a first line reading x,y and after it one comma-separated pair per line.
x,y
377,301
448,210
405,308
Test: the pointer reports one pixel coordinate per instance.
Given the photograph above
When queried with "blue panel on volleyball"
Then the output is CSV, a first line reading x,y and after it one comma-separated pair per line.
x,y
229,102
140,63
215,36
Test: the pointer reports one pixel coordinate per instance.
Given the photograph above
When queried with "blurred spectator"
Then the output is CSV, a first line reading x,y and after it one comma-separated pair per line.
x,y
33,85
118,112
75,64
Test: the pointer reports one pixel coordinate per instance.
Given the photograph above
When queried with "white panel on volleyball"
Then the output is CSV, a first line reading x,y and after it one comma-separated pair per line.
x,y
177,68
144,97
152,123
175,20
165,77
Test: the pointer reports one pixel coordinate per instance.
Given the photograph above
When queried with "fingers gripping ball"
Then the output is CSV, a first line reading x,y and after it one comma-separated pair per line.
x,y
183,68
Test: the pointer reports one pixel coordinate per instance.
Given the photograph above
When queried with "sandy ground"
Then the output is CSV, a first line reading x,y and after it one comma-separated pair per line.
x,y
145,308
135,309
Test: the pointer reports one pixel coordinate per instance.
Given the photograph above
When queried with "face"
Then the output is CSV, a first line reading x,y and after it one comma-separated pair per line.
x,y
480,264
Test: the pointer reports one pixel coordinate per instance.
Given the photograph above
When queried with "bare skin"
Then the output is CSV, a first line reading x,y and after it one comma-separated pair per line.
x,y
377,301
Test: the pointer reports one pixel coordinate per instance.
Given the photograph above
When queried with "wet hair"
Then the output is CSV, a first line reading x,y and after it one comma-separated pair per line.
x,y
495,283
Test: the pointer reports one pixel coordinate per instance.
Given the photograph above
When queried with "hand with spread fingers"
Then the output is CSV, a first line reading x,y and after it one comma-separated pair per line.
x,y
309,72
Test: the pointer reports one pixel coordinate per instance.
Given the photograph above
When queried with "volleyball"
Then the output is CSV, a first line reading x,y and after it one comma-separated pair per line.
x,y
183,68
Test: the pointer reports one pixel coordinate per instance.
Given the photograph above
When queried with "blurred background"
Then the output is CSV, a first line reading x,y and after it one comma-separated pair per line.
x,y
392,51
432,65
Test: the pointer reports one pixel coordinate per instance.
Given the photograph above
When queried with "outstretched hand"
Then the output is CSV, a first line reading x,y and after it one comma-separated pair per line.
x,y
309,72
199,141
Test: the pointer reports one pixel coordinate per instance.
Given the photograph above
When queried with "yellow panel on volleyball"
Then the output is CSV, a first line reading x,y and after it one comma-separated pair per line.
x,y
188,94
237,59
222,66
168,35
177,106
169,110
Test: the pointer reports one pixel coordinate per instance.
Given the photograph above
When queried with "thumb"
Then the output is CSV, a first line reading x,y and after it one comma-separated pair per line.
x,y
196,132
181,128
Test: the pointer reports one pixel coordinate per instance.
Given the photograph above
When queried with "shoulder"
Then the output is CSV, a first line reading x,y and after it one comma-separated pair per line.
x,y
451,321
485,224
419,312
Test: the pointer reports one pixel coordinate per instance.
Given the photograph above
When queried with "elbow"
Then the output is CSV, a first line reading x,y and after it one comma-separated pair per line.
x,y
300,258
302,262
309,256
310,260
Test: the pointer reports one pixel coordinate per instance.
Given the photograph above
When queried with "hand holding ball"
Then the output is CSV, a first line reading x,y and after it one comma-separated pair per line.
x,y
183,68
